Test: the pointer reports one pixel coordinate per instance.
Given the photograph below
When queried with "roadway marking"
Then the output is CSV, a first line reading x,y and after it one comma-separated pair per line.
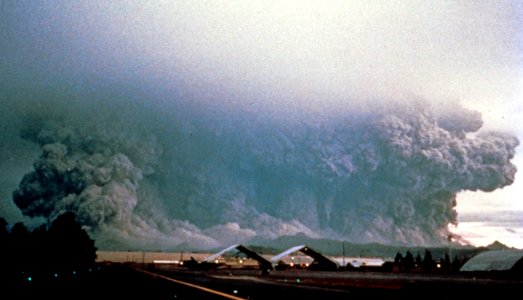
x,y
208,290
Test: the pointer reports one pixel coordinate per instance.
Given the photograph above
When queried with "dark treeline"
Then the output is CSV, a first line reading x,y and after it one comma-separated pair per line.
x,y
63,245
427,264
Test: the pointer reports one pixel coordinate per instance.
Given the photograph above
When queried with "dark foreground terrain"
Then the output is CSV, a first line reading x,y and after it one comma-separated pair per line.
x,y
123,281
250,284
114,281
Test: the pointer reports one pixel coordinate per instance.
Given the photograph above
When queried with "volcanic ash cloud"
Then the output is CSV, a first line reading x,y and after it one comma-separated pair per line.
x,y
382,175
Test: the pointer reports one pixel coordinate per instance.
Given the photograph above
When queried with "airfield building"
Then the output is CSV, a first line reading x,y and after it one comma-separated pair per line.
x,y
321,262
495,260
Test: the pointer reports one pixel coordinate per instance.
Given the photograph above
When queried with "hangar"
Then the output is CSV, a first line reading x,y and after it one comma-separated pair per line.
x,y
495,260
321,262
265,265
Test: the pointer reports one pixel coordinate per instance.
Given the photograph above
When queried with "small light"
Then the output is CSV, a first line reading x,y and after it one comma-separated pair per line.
x,y
235,291
438,266
291,264
55,275
240,261
29,278
298,280
215,261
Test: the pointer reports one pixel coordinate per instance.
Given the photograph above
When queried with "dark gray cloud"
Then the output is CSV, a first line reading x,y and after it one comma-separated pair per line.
x,y
165,125
390,175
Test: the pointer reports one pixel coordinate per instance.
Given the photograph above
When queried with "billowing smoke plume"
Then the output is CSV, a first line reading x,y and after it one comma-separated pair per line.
x,y
209,179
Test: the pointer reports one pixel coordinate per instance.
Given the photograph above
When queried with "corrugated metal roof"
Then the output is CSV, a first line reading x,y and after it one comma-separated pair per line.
x,y
278,257
495,260
216,255
264,263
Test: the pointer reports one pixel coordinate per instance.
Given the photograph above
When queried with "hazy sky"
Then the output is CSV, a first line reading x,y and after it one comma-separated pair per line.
x,y
283,59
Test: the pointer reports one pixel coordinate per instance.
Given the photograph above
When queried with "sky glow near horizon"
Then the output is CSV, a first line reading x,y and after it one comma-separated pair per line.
x,y
293,58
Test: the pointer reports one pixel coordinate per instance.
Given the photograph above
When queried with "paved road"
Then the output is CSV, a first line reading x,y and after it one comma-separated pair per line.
x,y
196,287
248,287
341,285
123,282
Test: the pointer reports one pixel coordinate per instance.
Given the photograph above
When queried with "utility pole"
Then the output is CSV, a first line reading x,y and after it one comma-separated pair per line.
x,y
343,251
449,238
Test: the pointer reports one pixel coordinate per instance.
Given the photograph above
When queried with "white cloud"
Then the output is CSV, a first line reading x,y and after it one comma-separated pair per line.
x,y
480,234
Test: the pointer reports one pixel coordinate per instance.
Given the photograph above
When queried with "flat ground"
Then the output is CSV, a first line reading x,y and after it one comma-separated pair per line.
x,y
250,284
121,281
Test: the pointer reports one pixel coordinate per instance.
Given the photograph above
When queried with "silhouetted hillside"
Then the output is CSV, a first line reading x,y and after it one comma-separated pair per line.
x,y
497,245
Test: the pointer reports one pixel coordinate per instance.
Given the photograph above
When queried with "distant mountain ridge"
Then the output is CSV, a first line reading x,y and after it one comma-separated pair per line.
x,y
339,248
497,245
